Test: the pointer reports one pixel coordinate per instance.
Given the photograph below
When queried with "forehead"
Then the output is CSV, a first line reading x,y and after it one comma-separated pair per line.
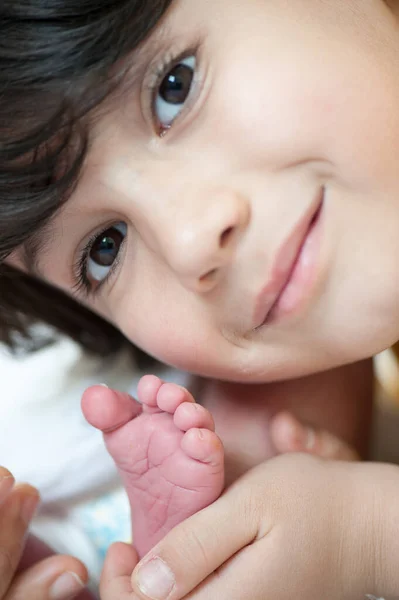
x,y
116,126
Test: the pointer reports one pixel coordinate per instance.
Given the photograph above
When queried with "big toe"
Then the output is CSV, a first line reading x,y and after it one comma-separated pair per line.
x,y
108,409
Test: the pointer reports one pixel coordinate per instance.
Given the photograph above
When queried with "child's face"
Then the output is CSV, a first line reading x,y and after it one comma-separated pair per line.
x,y
275,190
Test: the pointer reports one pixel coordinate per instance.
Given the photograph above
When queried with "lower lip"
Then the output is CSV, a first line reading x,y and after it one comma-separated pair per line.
x,y
303,274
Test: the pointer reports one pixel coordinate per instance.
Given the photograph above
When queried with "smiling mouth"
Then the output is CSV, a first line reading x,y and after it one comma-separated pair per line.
x,y
287,266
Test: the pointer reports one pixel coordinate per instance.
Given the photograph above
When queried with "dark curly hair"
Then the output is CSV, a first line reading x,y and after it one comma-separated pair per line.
x,y
56,59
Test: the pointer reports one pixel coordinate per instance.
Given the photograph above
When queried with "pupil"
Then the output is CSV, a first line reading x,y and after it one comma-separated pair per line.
x,y
105,249
176,85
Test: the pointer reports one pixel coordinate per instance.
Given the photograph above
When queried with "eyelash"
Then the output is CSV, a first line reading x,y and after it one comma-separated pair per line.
x,y
82,282
157,75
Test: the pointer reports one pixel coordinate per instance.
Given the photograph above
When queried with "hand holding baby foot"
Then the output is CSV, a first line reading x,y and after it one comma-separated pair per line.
x,y
295,527
165,448
165,413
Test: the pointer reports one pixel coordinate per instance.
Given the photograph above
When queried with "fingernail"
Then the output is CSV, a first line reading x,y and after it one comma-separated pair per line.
x,y
66,586
103,385
155,579
6,483
28,508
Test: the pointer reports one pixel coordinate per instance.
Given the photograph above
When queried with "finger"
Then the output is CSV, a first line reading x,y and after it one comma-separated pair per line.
x,y
116,575
16,512
179,563
6,483
257,572
35,550
55,578
289,435
234,581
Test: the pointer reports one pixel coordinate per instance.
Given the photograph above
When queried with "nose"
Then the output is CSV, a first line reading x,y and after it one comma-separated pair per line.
x,y
204,239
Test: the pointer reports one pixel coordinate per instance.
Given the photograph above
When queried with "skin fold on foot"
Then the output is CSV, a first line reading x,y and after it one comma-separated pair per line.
x,y
168,455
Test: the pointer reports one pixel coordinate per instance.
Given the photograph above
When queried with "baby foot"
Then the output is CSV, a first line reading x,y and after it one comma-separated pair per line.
x,y
167,453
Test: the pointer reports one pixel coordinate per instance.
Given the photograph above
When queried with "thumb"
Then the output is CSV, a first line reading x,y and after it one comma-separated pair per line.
x,y
289,435
117,570
195,549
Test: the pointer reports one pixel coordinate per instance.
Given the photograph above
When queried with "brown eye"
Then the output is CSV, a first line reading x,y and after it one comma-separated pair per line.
x,y
173,92
106,247
104,251
176,86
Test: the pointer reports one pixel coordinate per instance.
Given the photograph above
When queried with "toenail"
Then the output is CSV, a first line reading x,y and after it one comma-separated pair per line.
x,y
155,579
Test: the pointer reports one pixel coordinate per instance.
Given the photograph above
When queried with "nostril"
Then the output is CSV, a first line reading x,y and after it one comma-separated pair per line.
x,y
208,278
226,236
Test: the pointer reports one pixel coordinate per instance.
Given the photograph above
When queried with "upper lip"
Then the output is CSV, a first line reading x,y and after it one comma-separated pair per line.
x,y
284,263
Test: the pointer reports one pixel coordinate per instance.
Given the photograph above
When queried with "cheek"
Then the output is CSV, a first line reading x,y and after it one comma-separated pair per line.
x,y
276,117
335,104
348,108
361,134
156,316
164,335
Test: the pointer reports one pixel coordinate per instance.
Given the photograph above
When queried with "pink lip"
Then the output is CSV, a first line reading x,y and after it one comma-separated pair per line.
x,y
284,265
